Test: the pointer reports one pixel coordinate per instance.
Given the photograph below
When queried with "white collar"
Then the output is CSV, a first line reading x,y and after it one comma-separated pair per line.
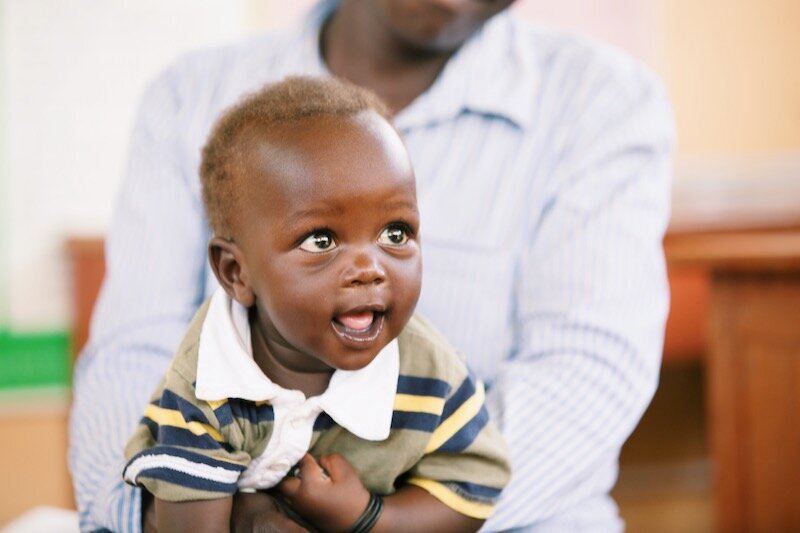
x,y
361,401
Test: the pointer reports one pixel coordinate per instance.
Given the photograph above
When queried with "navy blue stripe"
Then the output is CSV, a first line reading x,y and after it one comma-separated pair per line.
x,y
224,414
247,410
323,422
466,435
464,393
411,420
474,491
190,412
173,436
185,480
152,426
422,386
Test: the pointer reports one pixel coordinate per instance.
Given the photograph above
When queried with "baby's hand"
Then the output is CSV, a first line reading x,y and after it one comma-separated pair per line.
x,y
331,502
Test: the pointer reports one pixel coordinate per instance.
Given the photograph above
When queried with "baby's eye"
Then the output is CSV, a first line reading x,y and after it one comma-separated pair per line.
x,y
321,241
393,235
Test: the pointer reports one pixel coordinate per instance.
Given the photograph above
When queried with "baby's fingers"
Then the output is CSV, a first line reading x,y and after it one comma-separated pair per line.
x,y
302,472
337,466
309,471
305,473
289,487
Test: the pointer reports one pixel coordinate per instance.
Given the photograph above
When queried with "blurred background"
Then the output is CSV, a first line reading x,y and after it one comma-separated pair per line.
x,y
71,74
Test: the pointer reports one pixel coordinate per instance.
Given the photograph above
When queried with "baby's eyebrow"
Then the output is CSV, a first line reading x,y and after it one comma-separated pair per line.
x,y
402,204
300,216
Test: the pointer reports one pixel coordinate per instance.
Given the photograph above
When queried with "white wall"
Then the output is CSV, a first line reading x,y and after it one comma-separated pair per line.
x,y
74,72
4,218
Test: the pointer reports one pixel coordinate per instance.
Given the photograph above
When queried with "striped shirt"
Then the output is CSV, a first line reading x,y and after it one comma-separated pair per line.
x,y
543,167
439,436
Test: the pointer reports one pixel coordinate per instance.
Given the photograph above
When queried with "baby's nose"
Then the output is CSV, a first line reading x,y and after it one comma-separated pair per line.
x,y
364,268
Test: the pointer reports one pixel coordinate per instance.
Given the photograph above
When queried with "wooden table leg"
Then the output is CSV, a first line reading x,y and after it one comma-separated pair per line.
x,y
754,400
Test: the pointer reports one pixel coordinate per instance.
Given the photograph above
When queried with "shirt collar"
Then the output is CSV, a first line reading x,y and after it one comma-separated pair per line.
x,y
492,74
495,52
361,401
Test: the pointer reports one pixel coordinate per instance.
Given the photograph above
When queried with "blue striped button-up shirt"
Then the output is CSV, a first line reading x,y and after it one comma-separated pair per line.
x,y
543,168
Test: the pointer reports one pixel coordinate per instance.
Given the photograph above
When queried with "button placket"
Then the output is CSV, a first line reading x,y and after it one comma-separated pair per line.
x,y
290,440
280,464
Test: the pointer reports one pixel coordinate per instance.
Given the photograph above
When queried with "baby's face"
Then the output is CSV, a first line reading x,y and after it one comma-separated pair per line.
x,y
328,229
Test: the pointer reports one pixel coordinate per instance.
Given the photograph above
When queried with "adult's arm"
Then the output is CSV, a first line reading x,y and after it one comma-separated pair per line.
x,y
251,512
592,299
204,516
155,257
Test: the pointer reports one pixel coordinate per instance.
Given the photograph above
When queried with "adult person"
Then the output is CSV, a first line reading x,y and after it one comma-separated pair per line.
x,y
543,167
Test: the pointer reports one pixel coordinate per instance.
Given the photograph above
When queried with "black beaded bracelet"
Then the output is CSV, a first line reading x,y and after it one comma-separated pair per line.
x,y
370,515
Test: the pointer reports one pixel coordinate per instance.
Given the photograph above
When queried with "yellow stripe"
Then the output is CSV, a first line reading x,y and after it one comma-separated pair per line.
x,y
169,417
457,420
216,404
454,501
419,404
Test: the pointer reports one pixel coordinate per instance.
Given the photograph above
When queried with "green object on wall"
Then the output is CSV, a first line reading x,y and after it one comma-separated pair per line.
x,y
27,360
33,360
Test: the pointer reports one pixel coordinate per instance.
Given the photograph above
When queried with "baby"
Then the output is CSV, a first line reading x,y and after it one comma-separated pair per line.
x,y
306,372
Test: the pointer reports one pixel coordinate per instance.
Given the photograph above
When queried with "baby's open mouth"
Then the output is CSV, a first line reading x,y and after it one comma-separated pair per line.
x,y
359,325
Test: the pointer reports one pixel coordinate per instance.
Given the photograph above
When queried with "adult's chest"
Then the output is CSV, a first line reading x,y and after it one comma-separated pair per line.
x,y
480,194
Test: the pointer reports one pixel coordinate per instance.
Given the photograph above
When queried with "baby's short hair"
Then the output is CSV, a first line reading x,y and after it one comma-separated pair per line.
x,y
293,99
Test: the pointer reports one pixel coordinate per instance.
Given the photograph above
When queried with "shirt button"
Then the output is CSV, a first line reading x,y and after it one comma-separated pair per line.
x,y
279,465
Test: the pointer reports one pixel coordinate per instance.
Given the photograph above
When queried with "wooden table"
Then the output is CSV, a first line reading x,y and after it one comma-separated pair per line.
x,y
753,359
87,268
753,369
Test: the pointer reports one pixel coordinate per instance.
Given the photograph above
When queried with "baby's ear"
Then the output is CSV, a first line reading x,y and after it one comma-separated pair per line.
x,y
227,263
